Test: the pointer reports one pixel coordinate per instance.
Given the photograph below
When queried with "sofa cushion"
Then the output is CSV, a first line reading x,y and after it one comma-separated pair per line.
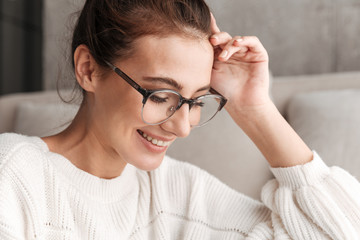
x,y
43,119
329,122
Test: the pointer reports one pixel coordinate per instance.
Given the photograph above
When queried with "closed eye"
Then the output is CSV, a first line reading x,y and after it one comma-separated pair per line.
x,y
198,104
157,99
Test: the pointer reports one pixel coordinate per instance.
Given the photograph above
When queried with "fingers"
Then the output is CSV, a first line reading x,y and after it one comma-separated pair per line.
x,y
252,42
241,46
220,39
230,48
226,46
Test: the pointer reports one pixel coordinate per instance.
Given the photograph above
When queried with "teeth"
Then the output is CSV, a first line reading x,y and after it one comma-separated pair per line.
x,y
155,141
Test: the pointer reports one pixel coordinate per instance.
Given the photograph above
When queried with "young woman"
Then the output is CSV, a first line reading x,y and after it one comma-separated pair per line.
x,y
150,71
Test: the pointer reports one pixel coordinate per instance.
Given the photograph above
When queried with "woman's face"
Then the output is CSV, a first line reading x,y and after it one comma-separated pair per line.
x,y
177,63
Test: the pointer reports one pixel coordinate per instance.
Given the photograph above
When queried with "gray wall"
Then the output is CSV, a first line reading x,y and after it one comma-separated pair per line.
x,y
20,45
301,36
59,19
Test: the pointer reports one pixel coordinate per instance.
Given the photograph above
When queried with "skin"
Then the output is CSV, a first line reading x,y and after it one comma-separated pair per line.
x,y
241,72
104,136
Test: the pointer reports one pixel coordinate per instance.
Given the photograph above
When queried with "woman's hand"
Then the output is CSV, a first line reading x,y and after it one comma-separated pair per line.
x,y
240,70
241,74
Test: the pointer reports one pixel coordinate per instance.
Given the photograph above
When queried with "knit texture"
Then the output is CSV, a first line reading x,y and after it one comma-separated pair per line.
x,y
44,196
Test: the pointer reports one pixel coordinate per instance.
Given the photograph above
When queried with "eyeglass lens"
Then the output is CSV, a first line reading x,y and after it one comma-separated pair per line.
x,y
161,105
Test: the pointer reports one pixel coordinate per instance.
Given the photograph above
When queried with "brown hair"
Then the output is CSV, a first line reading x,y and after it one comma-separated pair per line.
x,y
109,27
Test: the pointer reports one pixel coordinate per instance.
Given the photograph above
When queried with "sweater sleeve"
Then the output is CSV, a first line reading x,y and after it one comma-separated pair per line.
x,y
13,218
12,215
313,201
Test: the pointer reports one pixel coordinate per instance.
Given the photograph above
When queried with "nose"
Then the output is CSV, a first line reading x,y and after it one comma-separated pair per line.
x,y
179,123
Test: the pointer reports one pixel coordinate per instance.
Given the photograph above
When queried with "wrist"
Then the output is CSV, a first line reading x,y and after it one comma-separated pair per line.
x,y
273,136
250,114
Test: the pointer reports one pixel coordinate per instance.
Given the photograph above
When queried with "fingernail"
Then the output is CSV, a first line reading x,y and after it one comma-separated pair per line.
x,y
224,54
239,40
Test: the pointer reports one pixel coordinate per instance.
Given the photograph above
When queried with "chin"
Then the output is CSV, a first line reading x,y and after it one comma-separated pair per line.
x,y
149,163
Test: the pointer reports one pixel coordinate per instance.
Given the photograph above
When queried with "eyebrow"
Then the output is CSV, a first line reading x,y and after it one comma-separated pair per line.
x,y
167,81
172,82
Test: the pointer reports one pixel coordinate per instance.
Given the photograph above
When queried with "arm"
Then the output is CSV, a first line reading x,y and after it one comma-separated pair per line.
x,y
313,201
241,74
274,137
307,199
13,219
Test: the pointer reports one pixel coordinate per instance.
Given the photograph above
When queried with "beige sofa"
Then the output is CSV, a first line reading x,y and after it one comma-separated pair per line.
x,y
323,109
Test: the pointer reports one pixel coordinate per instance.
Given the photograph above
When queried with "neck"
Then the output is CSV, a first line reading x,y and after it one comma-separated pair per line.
x,y
85,147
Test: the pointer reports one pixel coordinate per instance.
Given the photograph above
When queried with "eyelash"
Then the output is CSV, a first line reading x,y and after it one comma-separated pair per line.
x,y
157,99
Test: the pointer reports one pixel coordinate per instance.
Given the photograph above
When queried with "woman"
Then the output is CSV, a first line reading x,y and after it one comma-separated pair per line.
x,y
150,71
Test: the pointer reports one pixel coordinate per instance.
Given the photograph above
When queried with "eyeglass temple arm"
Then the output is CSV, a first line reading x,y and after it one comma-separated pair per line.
x,y
223,99
213,91
143,91
126,78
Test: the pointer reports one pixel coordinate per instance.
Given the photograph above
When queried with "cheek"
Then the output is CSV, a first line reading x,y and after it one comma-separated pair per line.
x,y
118,108
126,111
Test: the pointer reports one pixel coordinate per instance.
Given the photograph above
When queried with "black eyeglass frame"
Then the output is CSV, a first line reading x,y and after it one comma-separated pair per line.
x,y
146,93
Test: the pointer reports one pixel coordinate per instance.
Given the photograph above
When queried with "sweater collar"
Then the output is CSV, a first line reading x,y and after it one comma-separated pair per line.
x,y
99,189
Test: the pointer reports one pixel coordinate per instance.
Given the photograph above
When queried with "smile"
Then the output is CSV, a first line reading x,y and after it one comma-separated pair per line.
x,y
153,140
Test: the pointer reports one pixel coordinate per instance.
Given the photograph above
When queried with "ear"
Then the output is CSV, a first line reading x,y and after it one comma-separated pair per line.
x,y
84,68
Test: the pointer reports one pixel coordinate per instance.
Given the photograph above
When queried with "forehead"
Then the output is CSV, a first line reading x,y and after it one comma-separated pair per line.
x,y
179,58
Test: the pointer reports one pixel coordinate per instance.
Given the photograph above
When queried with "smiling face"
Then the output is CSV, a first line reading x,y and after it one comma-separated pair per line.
x,y
176,63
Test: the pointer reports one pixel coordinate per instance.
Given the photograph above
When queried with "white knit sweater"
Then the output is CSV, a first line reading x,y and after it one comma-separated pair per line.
x,y
44,196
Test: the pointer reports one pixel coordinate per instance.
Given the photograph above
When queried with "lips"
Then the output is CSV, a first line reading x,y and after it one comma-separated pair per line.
x,y
153,140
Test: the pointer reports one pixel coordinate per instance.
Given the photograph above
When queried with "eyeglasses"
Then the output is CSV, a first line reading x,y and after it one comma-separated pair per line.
x,y
160,105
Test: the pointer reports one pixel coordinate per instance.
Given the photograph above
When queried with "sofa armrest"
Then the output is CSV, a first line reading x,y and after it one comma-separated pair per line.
x,y
9,104
284,88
